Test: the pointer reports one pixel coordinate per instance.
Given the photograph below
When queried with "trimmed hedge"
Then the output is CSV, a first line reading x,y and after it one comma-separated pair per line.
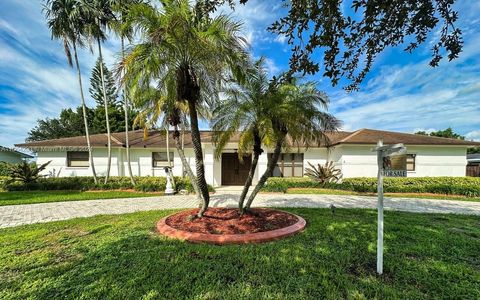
x,y
465,186
144,184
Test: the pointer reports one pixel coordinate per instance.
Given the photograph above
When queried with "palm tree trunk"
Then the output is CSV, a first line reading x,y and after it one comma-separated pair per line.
x,y
257,150
127,141
268,173
105,104
186,165
84,109
197,149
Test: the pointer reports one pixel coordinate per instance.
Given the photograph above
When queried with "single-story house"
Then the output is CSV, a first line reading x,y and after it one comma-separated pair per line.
x,y
12,156
350,151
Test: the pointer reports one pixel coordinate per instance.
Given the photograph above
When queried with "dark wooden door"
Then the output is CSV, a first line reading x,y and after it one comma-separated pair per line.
x,y
235,172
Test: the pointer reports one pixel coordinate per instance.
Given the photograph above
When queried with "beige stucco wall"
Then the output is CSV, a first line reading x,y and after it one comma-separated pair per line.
x,y
360,161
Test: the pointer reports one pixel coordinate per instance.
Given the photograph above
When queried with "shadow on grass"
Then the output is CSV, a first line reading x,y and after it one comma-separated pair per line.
x,y
427,256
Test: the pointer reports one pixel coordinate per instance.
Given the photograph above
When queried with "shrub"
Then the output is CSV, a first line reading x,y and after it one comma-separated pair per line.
x,y
466,186
27,172
279,184
3,181
323,173
4,169
144,184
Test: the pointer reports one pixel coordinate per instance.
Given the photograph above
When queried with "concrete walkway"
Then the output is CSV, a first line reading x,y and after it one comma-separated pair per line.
x,y
14,215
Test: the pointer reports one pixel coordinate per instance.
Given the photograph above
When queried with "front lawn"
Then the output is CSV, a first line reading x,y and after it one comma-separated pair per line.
x,y
121,257
394,195
28,197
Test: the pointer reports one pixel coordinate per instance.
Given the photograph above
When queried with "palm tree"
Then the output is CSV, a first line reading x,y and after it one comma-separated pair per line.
x,y
100,15
243,111
66,21
120,7
294,110
154,109
187,55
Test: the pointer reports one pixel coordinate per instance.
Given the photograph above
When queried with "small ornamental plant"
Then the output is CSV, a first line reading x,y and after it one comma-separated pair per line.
x,y
324,173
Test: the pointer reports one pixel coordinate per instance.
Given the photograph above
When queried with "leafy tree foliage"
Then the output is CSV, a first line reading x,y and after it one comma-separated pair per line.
x,y
449,133
353,33
69,123
96,90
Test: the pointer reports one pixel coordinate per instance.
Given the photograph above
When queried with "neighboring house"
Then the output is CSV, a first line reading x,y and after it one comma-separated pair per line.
x,y
350,151
473,166
12,156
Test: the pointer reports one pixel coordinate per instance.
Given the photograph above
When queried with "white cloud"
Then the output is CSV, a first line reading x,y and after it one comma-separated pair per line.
x,y
473,135
272,68
280,39
256,16
428,130
36,81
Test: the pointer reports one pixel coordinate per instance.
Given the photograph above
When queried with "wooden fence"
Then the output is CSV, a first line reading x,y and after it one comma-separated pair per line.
x,y
473,171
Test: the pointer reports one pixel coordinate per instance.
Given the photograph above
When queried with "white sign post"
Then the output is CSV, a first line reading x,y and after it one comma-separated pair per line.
x,y
382,153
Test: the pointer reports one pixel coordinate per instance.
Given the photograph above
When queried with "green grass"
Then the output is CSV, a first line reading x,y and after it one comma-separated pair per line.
x,y
121,257
28,197
397,195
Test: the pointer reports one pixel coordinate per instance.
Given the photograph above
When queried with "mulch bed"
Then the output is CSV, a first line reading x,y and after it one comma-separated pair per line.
x,y
223,221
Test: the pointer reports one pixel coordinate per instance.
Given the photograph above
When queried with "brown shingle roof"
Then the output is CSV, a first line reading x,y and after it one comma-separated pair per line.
x,y
371,136
156,139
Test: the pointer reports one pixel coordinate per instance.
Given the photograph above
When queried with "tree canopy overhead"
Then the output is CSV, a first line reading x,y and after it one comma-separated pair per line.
x,y
353,33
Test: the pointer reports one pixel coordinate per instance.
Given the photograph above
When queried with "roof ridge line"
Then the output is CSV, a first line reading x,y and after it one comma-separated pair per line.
x,y
422,135
351,135
115,139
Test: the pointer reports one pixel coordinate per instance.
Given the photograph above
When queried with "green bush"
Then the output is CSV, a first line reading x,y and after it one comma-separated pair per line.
x,y
466,186
279,184
3,181
4,169
144,184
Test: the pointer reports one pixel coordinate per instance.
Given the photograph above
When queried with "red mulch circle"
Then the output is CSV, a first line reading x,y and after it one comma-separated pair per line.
x,y
226,226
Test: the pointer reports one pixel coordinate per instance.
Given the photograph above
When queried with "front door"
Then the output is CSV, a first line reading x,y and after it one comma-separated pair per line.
x,y
235,172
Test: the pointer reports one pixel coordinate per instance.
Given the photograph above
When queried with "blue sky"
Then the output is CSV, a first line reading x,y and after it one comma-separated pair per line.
x,y
401,93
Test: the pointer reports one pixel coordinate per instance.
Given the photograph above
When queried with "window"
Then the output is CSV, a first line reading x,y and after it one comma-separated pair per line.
x,y
160,159
288,165
410,162
403,162
77,159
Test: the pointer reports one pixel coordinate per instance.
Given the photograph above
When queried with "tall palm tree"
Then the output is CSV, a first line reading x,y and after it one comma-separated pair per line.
x,y
66,21
100,15
295,110
243,111
121,7
187,55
